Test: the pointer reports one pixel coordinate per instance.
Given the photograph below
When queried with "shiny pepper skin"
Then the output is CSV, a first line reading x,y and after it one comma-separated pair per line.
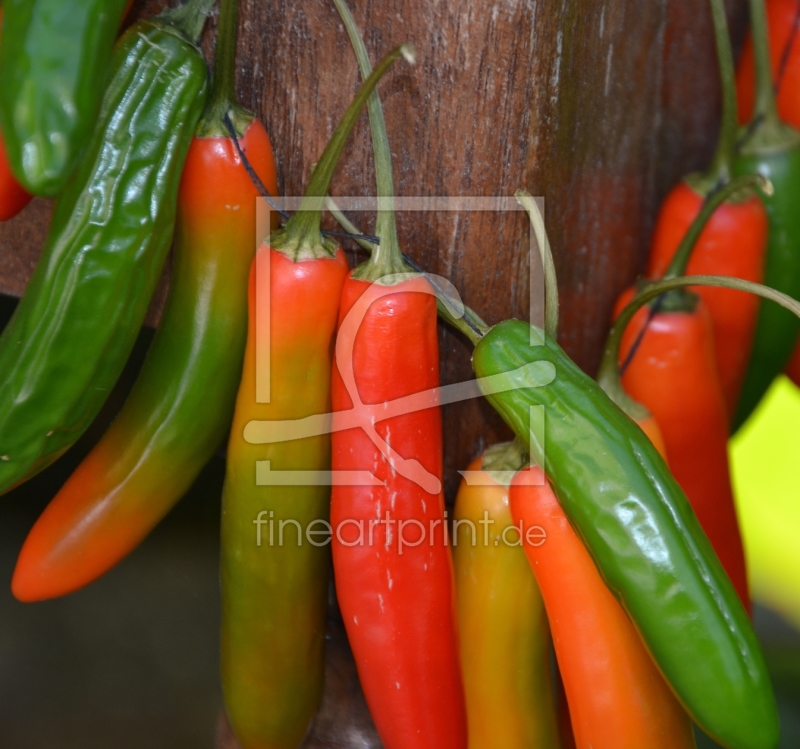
x,y
397,603
111,230
617,698
733,243
674,375
505,637
643,536
180,408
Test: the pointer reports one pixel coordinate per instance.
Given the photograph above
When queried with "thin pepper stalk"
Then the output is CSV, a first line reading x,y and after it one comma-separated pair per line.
x,y
397,602
111,230
451,310
733,243
180,407
505,637
274,570
771,147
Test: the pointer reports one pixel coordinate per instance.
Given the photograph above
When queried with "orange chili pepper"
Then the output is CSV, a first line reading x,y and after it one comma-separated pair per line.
x,y
617,697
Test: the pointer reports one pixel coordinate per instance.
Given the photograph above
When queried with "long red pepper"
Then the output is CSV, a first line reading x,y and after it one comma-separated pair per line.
x,y
180,408
733,243
394,580
674,375
783,24
669,365
13,197
617,698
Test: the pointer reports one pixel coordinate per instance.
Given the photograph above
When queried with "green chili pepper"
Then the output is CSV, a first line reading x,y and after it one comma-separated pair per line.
x,y
634,518
772,148
641,531
73,330
53,65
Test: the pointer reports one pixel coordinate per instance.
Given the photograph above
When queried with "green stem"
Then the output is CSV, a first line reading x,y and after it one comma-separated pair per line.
x,y
550,283
222,100
766,109
680,260
453,312
503,460
609,378
189,18
302,237
722,166
386,259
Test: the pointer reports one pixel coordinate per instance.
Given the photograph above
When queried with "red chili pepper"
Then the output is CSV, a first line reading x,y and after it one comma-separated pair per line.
x,y
397,600
617,698
395,579
13,197
673,374
783,23
733,243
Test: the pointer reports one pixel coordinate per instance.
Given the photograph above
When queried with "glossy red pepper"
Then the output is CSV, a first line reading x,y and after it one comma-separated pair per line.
x,y
617,697
673,374
784,44
733,243
391,559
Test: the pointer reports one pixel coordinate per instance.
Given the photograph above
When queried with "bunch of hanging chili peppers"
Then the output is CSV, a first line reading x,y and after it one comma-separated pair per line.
x,y
617,546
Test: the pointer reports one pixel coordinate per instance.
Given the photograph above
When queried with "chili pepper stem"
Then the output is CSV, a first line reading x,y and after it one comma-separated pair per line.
x,y
189,18
609,377
504,459
302,238
721,168
222,100
386,258
680,259
452,311
550,282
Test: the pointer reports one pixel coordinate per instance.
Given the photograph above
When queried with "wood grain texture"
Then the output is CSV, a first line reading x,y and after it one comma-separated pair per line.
x,y
600,106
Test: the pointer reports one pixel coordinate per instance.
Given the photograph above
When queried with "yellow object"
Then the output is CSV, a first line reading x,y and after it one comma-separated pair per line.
x,y
765,462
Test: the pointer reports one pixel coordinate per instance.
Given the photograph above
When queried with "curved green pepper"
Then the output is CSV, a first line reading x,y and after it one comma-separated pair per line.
x,y
73,330
771,148
641,531
53,65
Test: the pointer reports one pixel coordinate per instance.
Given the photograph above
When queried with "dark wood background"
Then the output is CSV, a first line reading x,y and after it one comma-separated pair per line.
x,y
600,106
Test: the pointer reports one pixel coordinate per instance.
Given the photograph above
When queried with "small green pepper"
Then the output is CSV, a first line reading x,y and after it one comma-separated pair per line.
x,y
54,62
73,330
